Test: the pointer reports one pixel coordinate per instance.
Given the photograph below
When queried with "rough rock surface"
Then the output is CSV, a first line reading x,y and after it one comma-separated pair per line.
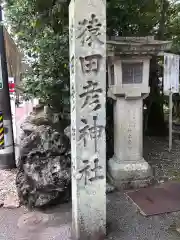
x,y
44,168
67,132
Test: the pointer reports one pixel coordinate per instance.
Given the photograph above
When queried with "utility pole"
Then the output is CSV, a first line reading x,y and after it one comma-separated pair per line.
x,y
7,152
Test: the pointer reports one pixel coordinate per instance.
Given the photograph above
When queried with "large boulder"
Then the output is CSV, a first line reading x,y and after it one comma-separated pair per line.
x,y
44,166
44,138
44,179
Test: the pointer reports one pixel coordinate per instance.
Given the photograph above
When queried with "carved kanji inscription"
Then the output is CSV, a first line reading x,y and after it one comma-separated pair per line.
x,y
90,30
89,172
90,63
73,97
94,132
91,95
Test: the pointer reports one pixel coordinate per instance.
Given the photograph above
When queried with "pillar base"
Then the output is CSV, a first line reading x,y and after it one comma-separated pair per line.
x,y
129,174
7,161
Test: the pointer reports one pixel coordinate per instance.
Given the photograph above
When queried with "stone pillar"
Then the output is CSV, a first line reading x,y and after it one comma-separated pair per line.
x,y
128,129
87,37
128,167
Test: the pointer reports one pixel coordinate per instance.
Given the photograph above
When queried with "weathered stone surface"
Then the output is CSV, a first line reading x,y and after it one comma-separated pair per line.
x,y
34,120
44,137
28,127
87,38
43,178
29,142
67,132
44,175
128,167
41,121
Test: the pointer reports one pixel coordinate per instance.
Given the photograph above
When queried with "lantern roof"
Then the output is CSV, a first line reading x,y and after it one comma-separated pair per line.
x,y
136,46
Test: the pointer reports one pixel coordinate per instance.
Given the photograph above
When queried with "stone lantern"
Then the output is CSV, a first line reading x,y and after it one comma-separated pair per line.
x,y
128,76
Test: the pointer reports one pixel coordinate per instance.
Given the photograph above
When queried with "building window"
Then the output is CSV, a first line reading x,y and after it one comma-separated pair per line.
x,y
132,73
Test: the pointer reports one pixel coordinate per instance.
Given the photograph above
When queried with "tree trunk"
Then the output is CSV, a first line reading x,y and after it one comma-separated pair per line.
x,y
155,115
176,108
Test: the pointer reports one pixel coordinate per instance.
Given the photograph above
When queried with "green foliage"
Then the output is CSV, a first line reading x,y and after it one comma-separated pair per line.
x,y
132,17
41,30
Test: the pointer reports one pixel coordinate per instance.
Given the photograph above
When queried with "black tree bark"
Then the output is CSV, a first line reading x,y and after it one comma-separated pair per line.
x,y
156,125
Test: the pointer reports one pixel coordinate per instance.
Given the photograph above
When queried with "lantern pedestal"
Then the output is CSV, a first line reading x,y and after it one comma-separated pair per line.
x,y
128,167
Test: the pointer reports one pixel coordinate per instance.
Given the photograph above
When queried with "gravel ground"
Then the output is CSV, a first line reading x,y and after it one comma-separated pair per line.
x,y
126,222
8,192
164,163
7,183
